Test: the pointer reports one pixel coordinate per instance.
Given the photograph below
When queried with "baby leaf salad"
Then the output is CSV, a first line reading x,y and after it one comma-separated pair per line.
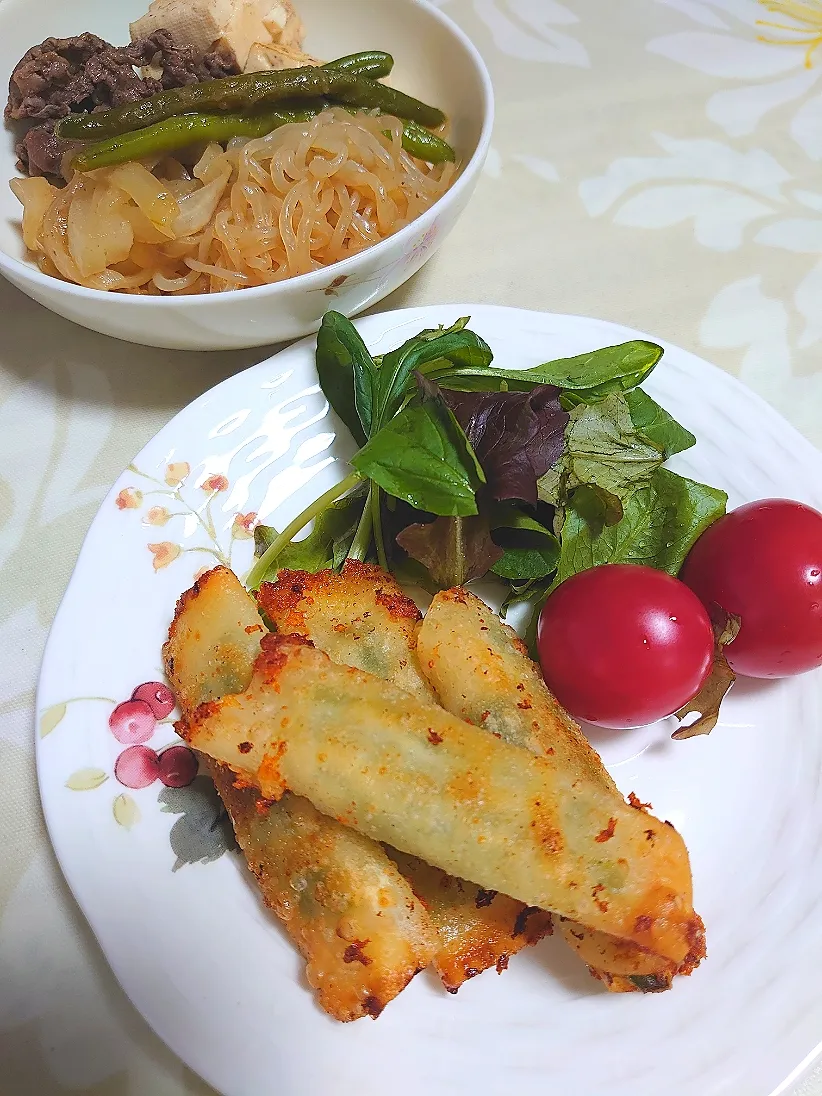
x,y
466,469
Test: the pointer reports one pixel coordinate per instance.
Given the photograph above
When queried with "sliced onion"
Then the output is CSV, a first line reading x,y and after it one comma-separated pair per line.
x,y
106,280
203,168
35,196
112,224
144,231
197,209
54,234
97,232
152,196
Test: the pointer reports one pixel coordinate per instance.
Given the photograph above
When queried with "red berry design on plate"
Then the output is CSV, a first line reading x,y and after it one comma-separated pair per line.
x,y
132,722
158,697
137,767
178,767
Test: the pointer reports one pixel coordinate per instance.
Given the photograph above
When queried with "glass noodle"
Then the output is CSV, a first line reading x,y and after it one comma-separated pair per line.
x,y
305,196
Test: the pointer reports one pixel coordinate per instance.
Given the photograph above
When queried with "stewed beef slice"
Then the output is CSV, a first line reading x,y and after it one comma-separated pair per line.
x,y
68,75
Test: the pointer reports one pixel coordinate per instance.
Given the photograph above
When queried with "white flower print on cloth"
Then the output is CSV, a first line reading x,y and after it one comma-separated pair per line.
x,y
761,40
742,316
721,189
735,194
527,30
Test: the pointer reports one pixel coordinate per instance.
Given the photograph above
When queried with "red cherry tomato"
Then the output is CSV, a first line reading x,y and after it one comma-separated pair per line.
x,y
763,562
622,645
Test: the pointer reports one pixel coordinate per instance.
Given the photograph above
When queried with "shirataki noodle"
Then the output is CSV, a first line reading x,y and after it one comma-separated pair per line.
x,y
305,196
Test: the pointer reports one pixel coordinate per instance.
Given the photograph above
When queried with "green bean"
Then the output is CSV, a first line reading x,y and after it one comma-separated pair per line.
x,y
188,129
370,94
373,63
239,93
425,145
421,142
233,93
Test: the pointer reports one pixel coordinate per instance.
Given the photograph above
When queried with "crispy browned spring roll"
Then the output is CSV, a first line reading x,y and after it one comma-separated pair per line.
x,y
362,618
408,774
362,935
477,929
348,909
488,679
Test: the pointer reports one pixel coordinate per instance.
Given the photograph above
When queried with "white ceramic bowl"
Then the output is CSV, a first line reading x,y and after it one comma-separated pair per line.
x,y
434,60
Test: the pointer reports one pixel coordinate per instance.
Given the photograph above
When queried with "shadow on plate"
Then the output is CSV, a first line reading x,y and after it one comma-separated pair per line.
x,y
552,955
560,963
753,688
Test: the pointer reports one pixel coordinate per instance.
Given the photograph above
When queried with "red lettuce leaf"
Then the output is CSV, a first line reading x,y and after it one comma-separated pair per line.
x,y
517,436
454,550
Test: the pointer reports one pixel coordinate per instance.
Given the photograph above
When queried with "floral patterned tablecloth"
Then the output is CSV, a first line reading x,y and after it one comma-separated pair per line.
x,y
655,163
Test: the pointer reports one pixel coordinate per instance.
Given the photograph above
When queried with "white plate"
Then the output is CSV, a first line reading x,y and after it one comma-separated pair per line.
x,y
214,974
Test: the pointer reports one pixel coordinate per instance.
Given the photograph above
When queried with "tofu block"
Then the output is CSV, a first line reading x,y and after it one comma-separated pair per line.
x,y
233,26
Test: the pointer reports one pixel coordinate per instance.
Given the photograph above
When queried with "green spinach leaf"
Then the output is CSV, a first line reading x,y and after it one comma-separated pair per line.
x,y
601,372
325,546
423,457
660,524
348,376
506,518
456,345
528,564
597,506
654,423
530,550
594,375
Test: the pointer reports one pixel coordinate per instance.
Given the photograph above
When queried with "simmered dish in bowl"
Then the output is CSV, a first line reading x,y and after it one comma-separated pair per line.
x,y
167,168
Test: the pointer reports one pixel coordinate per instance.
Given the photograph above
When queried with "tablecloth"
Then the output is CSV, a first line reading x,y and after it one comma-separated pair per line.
x,y
654,162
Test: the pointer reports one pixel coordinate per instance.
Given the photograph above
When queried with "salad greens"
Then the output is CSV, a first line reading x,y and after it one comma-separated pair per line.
x,y
452,551
517,436
660,522
465,469
422,456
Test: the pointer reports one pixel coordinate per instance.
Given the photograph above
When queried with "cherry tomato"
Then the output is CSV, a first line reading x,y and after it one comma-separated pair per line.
x,y
623,645
763,563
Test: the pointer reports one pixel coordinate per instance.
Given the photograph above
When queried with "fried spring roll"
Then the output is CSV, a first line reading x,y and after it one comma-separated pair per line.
x,y
408,774
351,916
350,912
362,618
477,929
488,679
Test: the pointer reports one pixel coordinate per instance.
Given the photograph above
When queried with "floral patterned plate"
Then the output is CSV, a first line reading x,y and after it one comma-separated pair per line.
x,y
146,850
